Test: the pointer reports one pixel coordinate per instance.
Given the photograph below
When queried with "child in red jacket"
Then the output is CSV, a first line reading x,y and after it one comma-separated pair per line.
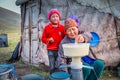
x,y
53,33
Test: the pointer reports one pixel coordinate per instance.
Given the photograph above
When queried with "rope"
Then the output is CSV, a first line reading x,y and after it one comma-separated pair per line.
x,y
103,40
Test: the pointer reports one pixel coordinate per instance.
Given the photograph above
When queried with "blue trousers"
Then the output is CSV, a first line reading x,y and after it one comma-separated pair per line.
x,y
52,55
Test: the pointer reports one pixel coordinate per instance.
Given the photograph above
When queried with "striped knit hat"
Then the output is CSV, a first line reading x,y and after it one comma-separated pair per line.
x,y
70,23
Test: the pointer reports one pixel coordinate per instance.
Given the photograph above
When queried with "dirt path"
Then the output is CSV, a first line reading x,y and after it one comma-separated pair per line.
x,y
25,69
22,70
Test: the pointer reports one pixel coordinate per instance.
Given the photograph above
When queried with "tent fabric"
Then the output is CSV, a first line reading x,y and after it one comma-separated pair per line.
x,y
20,2
91,20
106,6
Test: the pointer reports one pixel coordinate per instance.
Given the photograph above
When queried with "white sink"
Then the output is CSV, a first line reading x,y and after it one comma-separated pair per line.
x,y
76,50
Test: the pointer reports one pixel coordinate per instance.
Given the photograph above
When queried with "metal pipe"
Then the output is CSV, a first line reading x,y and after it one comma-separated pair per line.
x,y
77,74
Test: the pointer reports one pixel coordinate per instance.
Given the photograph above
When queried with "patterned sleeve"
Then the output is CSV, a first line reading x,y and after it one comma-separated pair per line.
x,y
61,59
87,36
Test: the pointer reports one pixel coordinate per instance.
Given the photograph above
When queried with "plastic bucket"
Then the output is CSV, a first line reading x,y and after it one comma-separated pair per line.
x,y
118,71
7,70
4,73
59,76
32,77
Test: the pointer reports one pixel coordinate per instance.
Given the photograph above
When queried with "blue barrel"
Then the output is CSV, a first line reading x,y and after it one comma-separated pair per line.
x,y
4,71
32,77
8,70
59,76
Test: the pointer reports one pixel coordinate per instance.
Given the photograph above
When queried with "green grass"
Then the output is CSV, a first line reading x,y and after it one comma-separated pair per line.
x,y
110,75
37,70
6,52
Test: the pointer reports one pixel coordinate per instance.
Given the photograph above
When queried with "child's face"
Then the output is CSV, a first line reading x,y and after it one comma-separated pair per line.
x,y
54,18
72,32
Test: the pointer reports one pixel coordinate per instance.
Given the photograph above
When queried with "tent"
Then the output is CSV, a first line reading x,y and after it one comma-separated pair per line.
x,y
100,16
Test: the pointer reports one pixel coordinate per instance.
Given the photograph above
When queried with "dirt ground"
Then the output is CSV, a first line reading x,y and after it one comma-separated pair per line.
x,y
22,70
25,69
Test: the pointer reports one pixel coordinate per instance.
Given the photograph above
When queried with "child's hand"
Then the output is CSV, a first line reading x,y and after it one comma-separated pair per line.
x,y
79,39
51,40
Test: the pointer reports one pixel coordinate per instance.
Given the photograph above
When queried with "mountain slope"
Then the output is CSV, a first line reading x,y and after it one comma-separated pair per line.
x,y
9,20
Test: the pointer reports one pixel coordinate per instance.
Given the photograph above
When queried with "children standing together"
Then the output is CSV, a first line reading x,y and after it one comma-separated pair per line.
x,y
55,34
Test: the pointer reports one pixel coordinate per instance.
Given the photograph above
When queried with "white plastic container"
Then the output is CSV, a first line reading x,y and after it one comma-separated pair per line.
x,y
76,50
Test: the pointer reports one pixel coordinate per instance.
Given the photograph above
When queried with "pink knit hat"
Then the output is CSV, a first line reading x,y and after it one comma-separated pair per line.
x,y
52,11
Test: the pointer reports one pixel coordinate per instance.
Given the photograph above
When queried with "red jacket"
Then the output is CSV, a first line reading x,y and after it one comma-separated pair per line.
x,y
57,33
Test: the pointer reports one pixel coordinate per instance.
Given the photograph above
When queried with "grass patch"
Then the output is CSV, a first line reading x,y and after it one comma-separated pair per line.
x,y
110,75
37,70
6,52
